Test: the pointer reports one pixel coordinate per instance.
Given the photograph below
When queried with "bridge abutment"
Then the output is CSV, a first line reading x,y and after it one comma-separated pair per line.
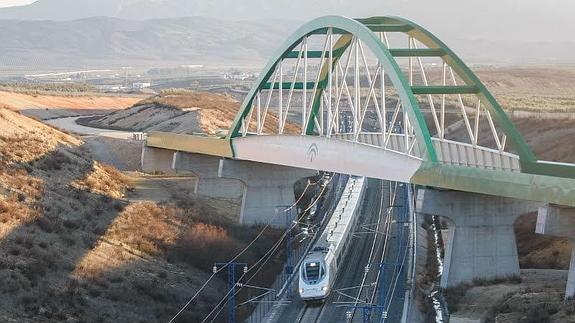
x,y
262,189
559,222
481,239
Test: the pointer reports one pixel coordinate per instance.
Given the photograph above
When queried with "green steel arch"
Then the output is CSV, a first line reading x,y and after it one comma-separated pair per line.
x,y
364,30
353,27
501,118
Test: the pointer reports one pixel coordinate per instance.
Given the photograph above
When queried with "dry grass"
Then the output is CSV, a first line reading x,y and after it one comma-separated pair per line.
x,y
540,251
176,239
53,88
103,180
67,100
24,140
192,235
71,251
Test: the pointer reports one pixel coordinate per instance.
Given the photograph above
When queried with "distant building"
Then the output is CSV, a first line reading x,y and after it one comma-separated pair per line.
x,y
239,76
141,85
110,87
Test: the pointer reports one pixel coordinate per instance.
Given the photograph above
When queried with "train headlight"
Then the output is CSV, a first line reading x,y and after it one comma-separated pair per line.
x,y
325,288
301,290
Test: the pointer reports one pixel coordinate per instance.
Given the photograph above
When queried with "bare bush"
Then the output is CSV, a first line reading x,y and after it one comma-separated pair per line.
x,y
55,161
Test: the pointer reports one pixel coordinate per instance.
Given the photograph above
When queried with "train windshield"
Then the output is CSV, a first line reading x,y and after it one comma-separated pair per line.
x,y
313,272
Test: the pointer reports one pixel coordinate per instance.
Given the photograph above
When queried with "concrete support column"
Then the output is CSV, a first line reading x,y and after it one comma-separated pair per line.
x,y
559,222
481,240
156,160
206,168
267,187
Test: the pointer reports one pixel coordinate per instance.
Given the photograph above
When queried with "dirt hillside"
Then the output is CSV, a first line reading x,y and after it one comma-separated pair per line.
x,y
179,112
539,81
46,106
72,248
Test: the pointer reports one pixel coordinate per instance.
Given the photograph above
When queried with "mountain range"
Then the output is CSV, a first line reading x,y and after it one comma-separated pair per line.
x,y
101,41
77,33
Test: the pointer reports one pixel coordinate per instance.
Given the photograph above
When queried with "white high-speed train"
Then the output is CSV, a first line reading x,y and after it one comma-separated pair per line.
x,y
319,268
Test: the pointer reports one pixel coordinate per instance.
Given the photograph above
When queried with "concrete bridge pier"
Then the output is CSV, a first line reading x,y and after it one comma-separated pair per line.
x,y
206,169
266,187
559,222
481,239
156,160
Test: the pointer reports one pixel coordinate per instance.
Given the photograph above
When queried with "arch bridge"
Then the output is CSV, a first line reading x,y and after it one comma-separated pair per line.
x,y
382,97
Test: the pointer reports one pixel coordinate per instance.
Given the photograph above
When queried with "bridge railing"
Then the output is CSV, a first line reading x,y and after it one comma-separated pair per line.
x,y
448,151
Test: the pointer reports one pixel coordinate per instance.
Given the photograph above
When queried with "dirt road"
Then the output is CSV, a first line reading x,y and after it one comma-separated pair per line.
x,y
70,125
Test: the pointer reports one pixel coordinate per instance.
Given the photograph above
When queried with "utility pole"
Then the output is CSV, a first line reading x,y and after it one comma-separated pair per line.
x,y
289,249
289,268
231,266
126,68
366,310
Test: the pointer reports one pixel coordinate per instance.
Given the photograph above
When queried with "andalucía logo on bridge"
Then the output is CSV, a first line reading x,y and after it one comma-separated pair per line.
x,y
312,152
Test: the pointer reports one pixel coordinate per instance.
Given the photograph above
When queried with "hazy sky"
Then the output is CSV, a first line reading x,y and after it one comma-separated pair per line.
x,y
531,20
11,3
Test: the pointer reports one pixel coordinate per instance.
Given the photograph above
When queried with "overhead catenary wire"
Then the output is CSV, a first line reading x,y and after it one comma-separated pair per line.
x,y
267,256
397,275
387,234
388,222
240,254
372,250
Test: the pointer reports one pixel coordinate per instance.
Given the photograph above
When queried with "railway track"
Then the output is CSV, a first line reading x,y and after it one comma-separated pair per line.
x,y
311,313
377,250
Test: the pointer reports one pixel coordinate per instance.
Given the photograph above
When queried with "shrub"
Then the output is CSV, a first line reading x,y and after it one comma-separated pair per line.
x,y
68,240
94,292
34,270
118,206
538,314
205,244
69,224
46,224
14,251
453,295
54,161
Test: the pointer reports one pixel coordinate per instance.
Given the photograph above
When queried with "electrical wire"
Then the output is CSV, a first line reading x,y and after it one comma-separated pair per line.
x,y
267,255
240,254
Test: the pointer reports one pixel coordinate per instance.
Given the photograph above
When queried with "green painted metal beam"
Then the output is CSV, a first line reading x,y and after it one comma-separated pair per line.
x,y
288,85
550,169
449,89
315,53
419,52
324,30
310,54
389,27
531,187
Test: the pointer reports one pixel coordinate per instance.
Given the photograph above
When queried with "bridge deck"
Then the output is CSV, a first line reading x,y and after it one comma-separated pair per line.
x,y
478,170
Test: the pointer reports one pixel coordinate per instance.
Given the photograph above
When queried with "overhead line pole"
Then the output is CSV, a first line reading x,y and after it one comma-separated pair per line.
x,y
231,267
